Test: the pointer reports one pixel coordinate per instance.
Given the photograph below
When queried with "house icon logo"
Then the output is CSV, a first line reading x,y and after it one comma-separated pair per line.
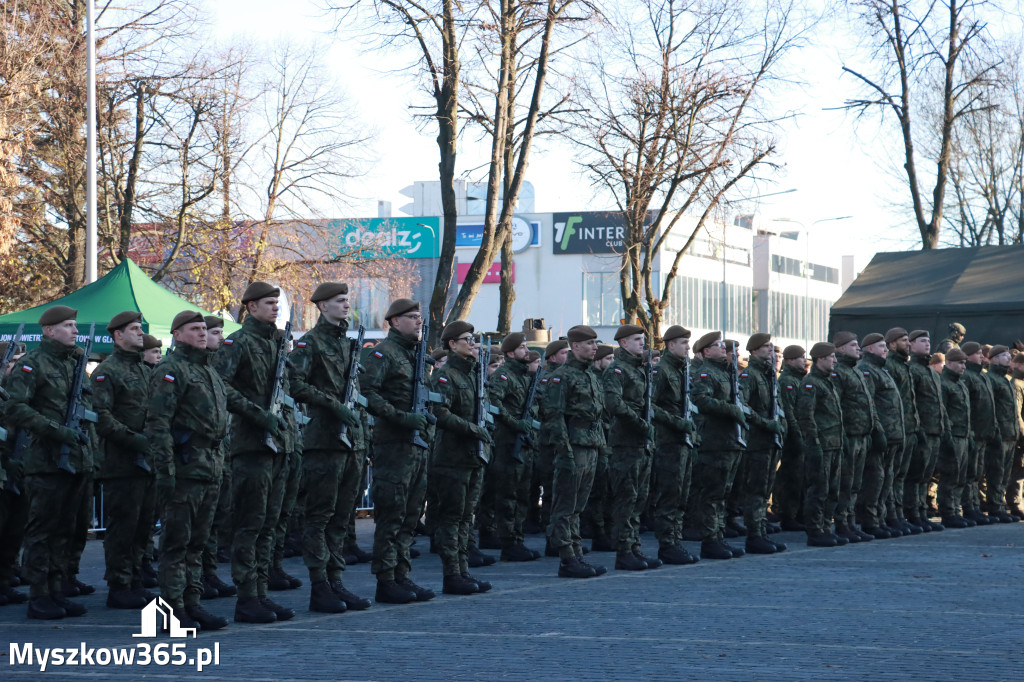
x,y
159,609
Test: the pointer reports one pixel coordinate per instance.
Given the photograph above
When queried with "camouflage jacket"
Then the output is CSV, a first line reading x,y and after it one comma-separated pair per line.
x,y
1005,402
386,383
317,376
456,413
957,401
573,406
886,396
40,386
712,394
819,412
790,380
755,381
984,427
1018,389
121,399
668,401
625,394
896,366
508,389
859,416
931,412
546,435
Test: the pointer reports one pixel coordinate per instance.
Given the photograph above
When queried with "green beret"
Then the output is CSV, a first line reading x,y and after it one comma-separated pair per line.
x,y
872,338
971,347
675,332
996,350
533,356
731,345
581,332
438,354
628,330
513,341
455,329
328,290
757,340
604,351
706,340
149,342
843,338
822,350
186,317
895,334
57,314
1018,359
918,333
554,347
793,352
213,322
401,307
122,320
258,290
956,355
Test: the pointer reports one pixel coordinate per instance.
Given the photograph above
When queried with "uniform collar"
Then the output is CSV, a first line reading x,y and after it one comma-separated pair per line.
x,y
759,364
127,355
194,355
720,363
404,340
266,330
624,357
820,372
456,361
947,373
515,366
974,367
673,360
339,329
847,360
921,358
57,350
998,370
576,363
873,359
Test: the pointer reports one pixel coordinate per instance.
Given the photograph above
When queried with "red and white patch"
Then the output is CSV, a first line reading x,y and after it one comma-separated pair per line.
x,y
789,388
26,369
503,377
810,386
102,377
744,375
300,344
556,380
442,380
617,370
378,354
703,376
169,378
229,342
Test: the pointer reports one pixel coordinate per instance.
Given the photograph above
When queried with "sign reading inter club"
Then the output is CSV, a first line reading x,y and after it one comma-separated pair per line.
x,y
589,232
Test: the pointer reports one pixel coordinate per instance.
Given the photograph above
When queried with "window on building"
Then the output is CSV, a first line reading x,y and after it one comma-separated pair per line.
x,y
602,299
795,268
698,303
789,311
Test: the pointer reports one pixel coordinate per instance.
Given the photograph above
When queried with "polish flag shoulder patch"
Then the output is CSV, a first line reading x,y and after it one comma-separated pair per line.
x,y
102,377
229,342
703,375
442,380
556,380
378,354
169,378
617,370
789,388
810,386
301,344
26,369
744,375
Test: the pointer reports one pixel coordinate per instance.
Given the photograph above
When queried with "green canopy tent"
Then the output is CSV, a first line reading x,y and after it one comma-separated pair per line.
x,y
126,287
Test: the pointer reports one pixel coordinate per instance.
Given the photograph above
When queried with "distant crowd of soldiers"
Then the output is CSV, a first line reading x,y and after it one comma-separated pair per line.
x,y
229,441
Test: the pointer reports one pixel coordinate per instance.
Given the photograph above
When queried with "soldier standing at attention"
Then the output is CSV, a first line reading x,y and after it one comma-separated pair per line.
x,y
788,492
121,385
13,505
956,336
539,514
932,430
952,464
898,340
332,471
247,361
762,455
572,410
984,430
723,431
399,464
152,350
595,519
821,425
631,438
1013,487
999,454
40,389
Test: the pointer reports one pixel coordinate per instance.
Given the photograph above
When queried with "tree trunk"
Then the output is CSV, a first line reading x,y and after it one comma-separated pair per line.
x,y
507,291
128,203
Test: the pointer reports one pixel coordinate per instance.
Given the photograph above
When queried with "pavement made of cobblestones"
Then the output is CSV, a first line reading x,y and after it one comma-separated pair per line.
x,y
939,606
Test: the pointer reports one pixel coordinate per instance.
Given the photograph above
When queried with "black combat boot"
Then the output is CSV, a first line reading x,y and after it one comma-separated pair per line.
x,y
936,526
223,589
481,585
71,608
44,608
713,549
821,540
779,546
351,559
575,568
390,592
598,569
359,553
205,619
549,550
913,528
76,588
422,593
676,555
148,574
478,559
878,532
954,522
323,599
844,531
864,537
14,597
736,551
627,561
895,528
278,580
517,552
282,612
209,591
652,562
124,598
736,524
184,621
252,610
759,544
773,527
456,584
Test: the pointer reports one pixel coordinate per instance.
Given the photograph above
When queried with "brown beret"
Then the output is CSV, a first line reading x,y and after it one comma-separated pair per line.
x,y
186,317
706,340
731,345
918,333
258,290
401,307
581,332
955,355
872,338
122,320
996,350
842,338
57,314
1018,359
533,356
757,340
822,350
455,329
496,353
604,351
895,334
149,342
554,347
971,347
213,322
793,352
675,332
513,341
439,353
628,330
328,290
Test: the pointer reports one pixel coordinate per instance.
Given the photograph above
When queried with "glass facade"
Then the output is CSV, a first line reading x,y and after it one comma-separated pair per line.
x,y
787,316
698,303
795,268
602,299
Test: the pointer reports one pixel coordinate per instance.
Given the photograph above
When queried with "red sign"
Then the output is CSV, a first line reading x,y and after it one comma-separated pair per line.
x,y
493,275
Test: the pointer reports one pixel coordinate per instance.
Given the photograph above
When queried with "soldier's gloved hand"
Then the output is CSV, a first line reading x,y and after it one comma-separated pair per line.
x,y
139,442
735,413
348,417
70,436
776,427
270,422
480,433
413,421
684,425
524,426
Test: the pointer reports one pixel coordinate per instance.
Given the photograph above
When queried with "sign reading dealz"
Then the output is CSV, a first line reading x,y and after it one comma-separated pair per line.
x,y
590,232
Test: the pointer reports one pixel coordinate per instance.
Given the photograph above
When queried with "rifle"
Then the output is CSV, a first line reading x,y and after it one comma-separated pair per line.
x,y
277,393
76,413
774,411
483,406
350,382
527,414
688,408
735,398
421,395
649,394
6,360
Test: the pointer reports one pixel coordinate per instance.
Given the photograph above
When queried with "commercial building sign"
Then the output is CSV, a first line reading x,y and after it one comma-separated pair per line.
x,y
524,234
388,237
589,232
493,275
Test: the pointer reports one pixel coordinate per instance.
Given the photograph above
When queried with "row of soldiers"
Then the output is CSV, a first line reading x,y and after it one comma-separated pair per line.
x,y
608,433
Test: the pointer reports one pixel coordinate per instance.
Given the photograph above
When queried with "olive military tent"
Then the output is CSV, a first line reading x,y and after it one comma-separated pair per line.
x,y
126,287
982,288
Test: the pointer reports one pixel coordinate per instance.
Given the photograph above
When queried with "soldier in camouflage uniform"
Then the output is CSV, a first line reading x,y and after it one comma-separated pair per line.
x,y
952,464
152,350
898,341
723,427
631,438
984,430
571,413
933,429
886,439
247,361
956,336
999,454
13,503
331,467
596,518
40,387
673,456
399,464
121,398
788,491
1013,486
821,425
539,513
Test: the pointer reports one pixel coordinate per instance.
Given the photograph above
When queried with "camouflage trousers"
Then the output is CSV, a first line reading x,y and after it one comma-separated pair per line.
x,y
713,475
399,488
569,492
876,486
758,472
975,473
186,519
900,469
130,506
952,469
350,536
629,479
13,517
258,482
851,478
671,469
82,524
599,513
458,491
822,471
288,503
998,462
788,491
220,532
332,483
919,476
508,483
54,501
